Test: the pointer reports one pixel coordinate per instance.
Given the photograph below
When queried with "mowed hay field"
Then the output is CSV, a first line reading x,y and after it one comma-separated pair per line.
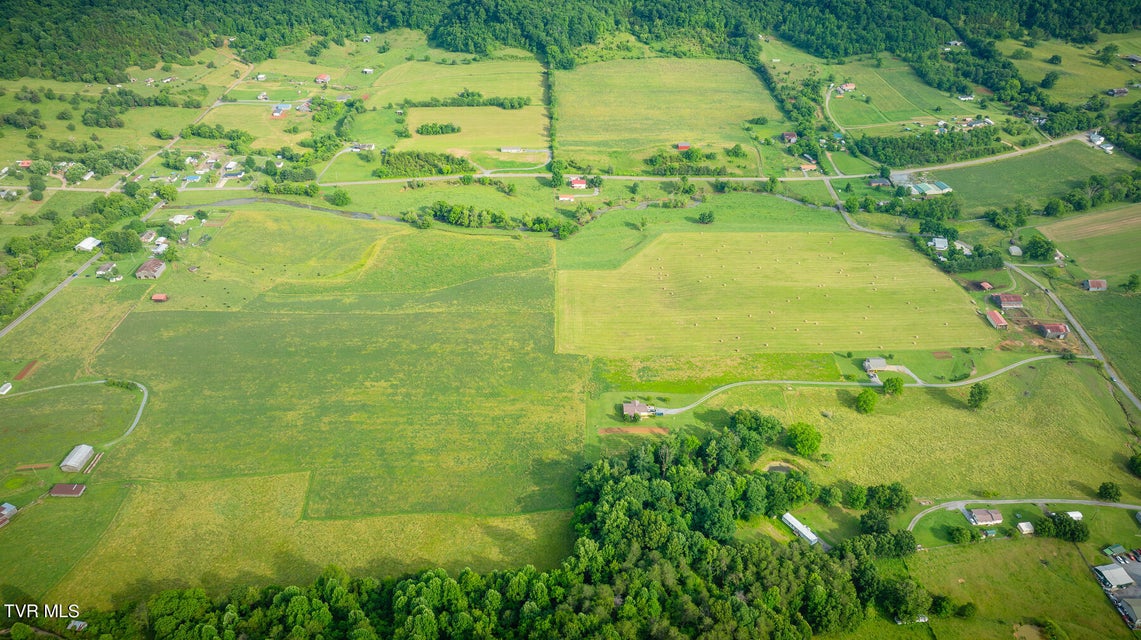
x,y
1104,244
897,95
729,293
251,531
622,111
483,131
1035,176
425,80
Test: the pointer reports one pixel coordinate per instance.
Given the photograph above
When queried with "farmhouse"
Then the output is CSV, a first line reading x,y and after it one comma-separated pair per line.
x,y
1007,301
800,529
68,490
78,457
1095,285
875,364
789,137
150,270
88,244
104,269
940,244
879,182
1112,576
577,183
1074,515
322,78
1026,528
1054,331
996,319
24,164
636,408
148,235
985,517
159,297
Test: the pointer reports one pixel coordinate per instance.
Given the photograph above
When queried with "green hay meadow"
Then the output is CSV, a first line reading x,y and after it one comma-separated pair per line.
x,y
1035,176
605,119
1112,318
1104,243
484,131
896,93
703,293
268,132
1081,75
424,80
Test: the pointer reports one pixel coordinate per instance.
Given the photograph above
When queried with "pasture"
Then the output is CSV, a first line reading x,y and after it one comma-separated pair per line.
x,y
1035,176
483,131
1112,318
713,293
605,119
1045,579
897,95
1103,243
268,132
416,80
1080,74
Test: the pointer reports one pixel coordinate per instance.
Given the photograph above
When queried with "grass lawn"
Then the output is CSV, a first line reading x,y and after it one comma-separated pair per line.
x,y
1035,176
1104,243
605,119
1015,582
673,298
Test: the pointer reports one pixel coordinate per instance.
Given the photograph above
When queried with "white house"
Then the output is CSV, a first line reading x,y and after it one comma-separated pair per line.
x,y
800,529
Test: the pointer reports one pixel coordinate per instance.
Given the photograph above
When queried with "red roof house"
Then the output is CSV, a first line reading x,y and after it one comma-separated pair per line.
x,y
996,319
789,137
577,183
159,297
24,164
322,78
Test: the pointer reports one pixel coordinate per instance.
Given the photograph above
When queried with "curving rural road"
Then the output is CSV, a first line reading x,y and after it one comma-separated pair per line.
x,y
961,504
919,383
130,429
51,294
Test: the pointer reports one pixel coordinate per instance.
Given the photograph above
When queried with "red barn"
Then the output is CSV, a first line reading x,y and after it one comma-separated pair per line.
x,y
1007,301
322,78
996,319
159,297
683,146
1055,331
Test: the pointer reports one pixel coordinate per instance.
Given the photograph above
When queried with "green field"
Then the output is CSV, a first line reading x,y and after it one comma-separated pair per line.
x,y
1104,243
484,131
1034,176
897,95
1081,75
605,119
722,294
268,132
1015,582
1112,319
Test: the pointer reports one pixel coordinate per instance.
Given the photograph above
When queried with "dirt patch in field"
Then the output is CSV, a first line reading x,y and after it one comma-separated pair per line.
x,y
636,430
779,467
27,370
1027,632
33,467
941,355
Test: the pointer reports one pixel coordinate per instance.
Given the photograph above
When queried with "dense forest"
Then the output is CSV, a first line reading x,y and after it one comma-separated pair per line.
x,y
656,557
94,41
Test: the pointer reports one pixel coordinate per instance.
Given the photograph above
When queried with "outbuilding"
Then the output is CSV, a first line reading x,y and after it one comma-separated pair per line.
x,y
1095,285
1054,331
160,297
1026,528
1007,301
577,183
789,137
150,270
77,459
88,244
7,510
683,146
68,490
1015,250
996,320
104,269
322,78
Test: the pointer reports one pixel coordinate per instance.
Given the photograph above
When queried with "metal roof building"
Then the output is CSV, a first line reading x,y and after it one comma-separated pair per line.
x,y
800,529
1113,576
78,457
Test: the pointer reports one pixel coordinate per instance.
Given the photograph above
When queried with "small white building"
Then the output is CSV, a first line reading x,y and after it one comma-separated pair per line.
x,y
231,165
1074,515
1026,528
5,388
1015,250
77,459
367,71
800,529
88,244
7,510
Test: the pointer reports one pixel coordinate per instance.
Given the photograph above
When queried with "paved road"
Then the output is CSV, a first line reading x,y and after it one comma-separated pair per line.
x,y
51,294
1113,377
130,429
960,504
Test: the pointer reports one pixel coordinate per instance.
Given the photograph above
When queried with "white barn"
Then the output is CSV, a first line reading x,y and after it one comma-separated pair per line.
x,y
88,244
77,459
800,529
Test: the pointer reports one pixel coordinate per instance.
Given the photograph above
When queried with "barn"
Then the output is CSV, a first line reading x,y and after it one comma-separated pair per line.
x,y
78,457
1054,331
1095,285
68,490
996,319
1007,301
160,297
683,146
150,270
